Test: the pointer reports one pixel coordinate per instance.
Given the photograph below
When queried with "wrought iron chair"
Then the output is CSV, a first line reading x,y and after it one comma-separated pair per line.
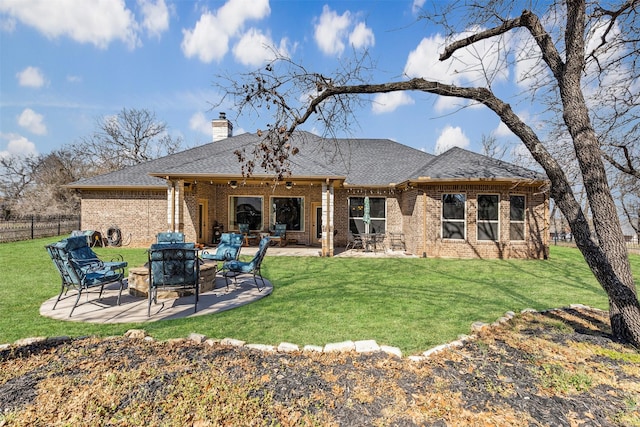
x,y
246,233
173,266
354,241
79,249
227,250
170,237
279,234
235,267
83,274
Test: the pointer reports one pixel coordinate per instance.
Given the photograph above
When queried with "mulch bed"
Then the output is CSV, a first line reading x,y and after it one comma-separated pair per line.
x,y
558,368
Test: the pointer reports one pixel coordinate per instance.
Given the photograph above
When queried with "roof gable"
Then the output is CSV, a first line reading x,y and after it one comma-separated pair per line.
x,y
458,163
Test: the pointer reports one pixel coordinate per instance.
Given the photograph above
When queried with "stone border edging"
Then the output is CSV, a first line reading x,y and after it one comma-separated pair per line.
x,y
363,346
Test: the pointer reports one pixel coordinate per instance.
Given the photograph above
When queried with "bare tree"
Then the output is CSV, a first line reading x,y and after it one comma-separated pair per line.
x,y
128,138
35,185
565,60
16,177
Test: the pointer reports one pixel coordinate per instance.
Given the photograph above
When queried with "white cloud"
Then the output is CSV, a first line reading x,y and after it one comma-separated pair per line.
x,y
32,121
501,131
388,102
451,137
74,79
417,5
362,37
209,39
97,22
31,77
255,48
17,145
199,123
332,31
423,61
7,24
478,65
156,16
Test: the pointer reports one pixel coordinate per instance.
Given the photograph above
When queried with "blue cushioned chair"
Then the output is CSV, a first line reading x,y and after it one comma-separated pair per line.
x,y
82,270
170,237
227,250
246,232
79,250
173,266
235,267
279,234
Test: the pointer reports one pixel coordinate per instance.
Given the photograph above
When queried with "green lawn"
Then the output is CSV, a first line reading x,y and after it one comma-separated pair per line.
x,y
413,304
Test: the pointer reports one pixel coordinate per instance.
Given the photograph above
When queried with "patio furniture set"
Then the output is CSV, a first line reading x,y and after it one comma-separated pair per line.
x,y
173,265
375,241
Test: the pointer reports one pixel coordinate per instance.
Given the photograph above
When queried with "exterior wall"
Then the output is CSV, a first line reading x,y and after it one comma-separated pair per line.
x,y
140,215
416,212
422,225
219,206
341,213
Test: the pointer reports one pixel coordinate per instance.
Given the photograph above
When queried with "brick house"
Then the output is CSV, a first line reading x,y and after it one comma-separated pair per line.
x,y
456,204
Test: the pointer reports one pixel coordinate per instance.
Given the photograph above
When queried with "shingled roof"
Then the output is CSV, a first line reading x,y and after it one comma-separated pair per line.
x,y
359,162
457,163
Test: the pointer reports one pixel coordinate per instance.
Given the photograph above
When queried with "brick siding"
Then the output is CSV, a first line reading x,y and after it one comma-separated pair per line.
x,y
416,212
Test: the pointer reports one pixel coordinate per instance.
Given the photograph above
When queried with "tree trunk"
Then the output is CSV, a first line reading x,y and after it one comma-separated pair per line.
x,y
608,259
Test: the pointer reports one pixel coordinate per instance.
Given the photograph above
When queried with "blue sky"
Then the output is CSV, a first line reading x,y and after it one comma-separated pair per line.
x,y
66,63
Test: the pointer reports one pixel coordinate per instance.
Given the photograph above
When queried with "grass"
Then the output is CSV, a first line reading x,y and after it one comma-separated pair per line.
x,y
413,303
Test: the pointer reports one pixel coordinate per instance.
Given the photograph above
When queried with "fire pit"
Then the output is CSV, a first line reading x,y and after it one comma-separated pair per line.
x,y
139,282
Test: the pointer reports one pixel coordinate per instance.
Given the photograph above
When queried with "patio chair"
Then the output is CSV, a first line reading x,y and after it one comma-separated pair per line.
x,y
235,267
81,252
83,275
227,250
246,233
354,241
170,237
279,234
175,267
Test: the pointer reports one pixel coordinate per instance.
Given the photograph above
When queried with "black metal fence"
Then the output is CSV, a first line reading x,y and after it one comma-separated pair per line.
x,y
35,227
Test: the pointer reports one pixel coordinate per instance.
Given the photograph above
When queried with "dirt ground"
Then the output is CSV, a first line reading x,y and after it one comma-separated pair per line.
x,y
558,368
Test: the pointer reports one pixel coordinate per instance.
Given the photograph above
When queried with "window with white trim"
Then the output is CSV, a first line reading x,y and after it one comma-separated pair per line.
x,y
245,210
289,211
517,214
454,221
377,213
488,217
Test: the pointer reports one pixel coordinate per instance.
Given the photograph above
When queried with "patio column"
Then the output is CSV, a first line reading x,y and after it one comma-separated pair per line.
x,y
327,218
175,201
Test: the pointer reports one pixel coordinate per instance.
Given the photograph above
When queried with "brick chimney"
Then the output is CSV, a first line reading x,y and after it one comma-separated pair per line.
x,y
222,128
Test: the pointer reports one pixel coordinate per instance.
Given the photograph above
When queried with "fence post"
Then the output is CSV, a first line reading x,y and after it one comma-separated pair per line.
x,y
32,225
59,221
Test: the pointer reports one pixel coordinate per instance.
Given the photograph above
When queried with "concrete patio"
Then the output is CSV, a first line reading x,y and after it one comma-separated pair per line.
x,y
133,309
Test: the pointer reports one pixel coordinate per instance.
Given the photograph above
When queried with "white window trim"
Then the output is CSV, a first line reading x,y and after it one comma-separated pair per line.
x,y
523,222
386,213
442,219
487,221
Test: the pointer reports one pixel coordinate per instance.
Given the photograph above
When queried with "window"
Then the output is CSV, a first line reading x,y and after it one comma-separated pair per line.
x,y
377,213
245,210
453,216
516,216
289,211
488,214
